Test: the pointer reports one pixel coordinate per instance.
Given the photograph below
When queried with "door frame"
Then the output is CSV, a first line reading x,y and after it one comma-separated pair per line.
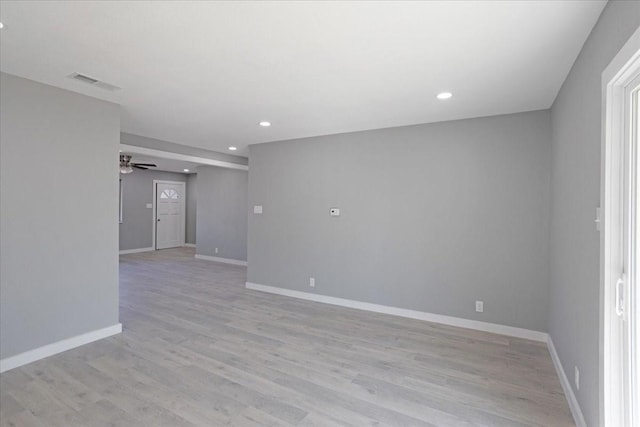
x,y
615,159
155,210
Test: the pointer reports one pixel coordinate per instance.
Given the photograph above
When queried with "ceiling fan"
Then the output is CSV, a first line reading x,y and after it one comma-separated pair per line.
x,y
126,166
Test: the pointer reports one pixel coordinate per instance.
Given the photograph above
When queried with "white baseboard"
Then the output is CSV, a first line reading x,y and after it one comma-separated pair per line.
x,y
403,312
224,260
135,251
190,245
566,386
58,347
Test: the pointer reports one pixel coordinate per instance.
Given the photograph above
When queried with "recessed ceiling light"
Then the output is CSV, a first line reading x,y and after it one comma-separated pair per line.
x,y
186,170
444,95
233,148
1,25
265,124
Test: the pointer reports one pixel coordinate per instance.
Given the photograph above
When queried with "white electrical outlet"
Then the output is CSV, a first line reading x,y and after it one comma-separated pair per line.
x,y
480,306
577,377
312,282
216,250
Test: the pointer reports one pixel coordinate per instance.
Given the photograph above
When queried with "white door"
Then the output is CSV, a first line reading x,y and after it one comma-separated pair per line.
x,y
629,300
621,250
169,215
624,320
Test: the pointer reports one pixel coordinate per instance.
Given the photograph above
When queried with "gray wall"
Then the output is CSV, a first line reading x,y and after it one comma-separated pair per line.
x,y
136,229
574,244
191,208
58,214
434,217
222,212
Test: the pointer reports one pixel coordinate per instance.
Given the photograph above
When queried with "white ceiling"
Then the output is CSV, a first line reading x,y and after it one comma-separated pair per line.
x,y
205,73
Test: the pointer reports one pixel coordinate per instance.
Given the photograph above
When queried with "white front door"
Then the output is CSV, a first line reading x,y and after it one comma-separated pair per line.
x,y
169,215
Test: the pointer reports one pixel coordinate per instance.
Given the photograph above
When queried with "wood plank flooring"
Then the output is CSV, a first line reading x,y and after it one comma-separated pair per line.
x,y
200,349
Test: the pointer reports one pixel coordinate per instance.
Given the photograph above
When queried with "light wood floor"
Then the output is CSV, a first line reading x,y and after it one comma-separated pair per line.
x,y
200,349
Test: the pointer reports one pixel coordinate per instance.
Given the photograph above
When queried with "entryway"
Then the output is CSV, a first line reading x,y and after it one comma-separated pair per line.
x,y
169,202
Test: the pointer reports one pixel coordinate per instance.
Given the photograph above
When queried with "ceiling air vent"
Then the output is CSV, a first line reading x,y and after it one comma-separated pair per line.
x,y
93,82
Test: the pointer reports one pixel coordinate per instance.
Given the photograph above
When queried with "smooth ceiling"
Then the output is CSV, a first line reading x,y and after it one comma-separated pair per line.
x,y
205,73
167,165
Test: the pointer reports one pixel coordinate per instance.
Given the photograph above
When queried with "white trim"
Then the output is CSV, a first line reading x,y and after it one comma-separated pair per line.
x,y
134,149
578,418
614,78
58,347
403,312
135,251
190,245
120,201
183,235
218,259
153,213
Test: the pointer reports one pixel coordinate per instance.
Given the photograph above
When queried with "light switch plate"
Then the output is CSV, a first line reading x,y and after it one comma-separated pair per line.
x,y
149,205
257,209
334,211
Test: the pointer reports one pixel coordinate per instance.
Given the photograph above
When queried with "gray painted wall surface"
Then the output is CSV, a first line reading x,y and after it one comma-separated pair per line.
x,y
191,208
222,212
574,244
58,214
433,218
136,229
157,144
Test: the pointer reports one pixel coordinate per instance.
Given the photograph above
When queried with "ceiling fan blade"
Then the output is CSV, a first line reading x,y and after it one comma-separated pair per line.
x,y
139,167
145,164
